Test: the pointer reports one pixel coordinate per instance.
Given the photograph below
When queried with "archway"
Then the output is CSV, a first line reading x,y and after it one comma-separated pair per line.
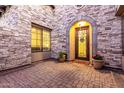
x,y
71,42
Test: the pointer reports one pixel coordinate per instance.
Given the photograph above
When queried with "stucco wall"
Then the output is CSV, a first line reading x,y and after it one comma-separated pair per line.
x,y
40,56
15,33
108,30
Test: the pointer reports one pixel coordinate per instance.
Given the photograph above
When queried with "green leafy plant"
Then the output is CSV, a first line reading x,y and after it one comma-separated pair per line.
x,y
98,57
62,54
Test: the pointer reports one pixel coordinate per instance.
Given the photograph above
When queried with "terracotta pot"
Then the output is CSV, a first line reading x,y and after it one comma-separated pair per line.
x,y
61,59
98,64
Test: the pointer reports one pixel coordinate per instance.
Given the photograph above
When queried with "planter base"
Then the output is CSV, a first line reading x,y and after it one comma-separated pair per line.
x,y
98,64
61,60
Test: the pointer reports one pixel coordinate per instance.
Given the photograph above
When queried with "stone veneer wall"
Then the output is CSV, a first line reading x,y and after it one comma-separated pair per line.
x,y
15,33
108,30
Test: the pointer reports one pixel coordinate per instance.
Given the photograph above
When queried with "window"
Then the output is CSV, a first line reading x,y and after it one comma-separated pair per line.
x,y
40,39
46,40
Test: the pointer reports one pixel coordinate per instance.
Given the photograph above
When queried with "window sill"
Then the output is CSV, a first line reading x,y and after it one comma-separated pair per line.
x,y
40,51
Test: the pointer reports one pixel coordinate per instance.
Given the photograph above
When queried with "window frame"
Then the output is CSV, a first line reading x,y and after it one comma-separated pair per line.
x,y
42,29
43,38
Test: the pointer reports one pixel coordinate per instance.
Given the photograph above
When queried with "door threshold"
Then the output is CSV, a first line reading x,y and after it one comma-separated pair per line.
x,y
82,61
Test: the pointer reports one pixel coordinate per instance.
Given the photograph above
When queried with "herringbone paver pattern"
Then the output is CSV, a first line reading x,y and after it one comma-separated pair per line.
x,y
53,74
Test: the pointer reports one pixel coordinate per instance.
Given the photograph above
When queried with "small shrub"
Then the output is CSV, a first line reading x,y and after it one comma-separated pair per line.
x,y
62,54
98,57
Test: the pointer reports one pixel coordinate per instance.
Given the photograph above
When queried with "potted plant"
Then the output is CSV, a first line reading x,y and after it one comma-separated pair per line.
x,y
98,61
62,56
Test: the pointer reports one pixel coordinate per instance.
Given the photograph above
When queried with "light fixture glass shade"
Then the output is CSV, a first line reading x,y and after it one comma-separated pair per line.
x,y
79,6
81,23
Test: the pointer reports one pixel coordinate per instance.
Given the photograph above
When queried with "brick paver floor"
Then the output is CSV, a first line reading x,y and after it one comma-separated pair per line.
x,y
61,75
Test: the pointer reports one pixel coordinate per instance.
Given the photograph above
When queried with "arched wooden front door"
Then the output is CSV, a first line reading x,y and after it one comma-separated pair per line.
x,y
82,43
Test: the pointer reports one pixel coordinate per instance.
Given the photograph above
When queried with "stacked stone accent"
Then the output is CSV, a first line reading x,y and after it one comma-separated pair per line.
x,y
108,30
15,33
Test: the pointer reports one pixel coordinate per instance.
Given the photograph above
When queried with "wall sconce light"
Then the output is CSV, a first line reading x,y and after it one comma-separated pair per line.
x,y
82,23
79,6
